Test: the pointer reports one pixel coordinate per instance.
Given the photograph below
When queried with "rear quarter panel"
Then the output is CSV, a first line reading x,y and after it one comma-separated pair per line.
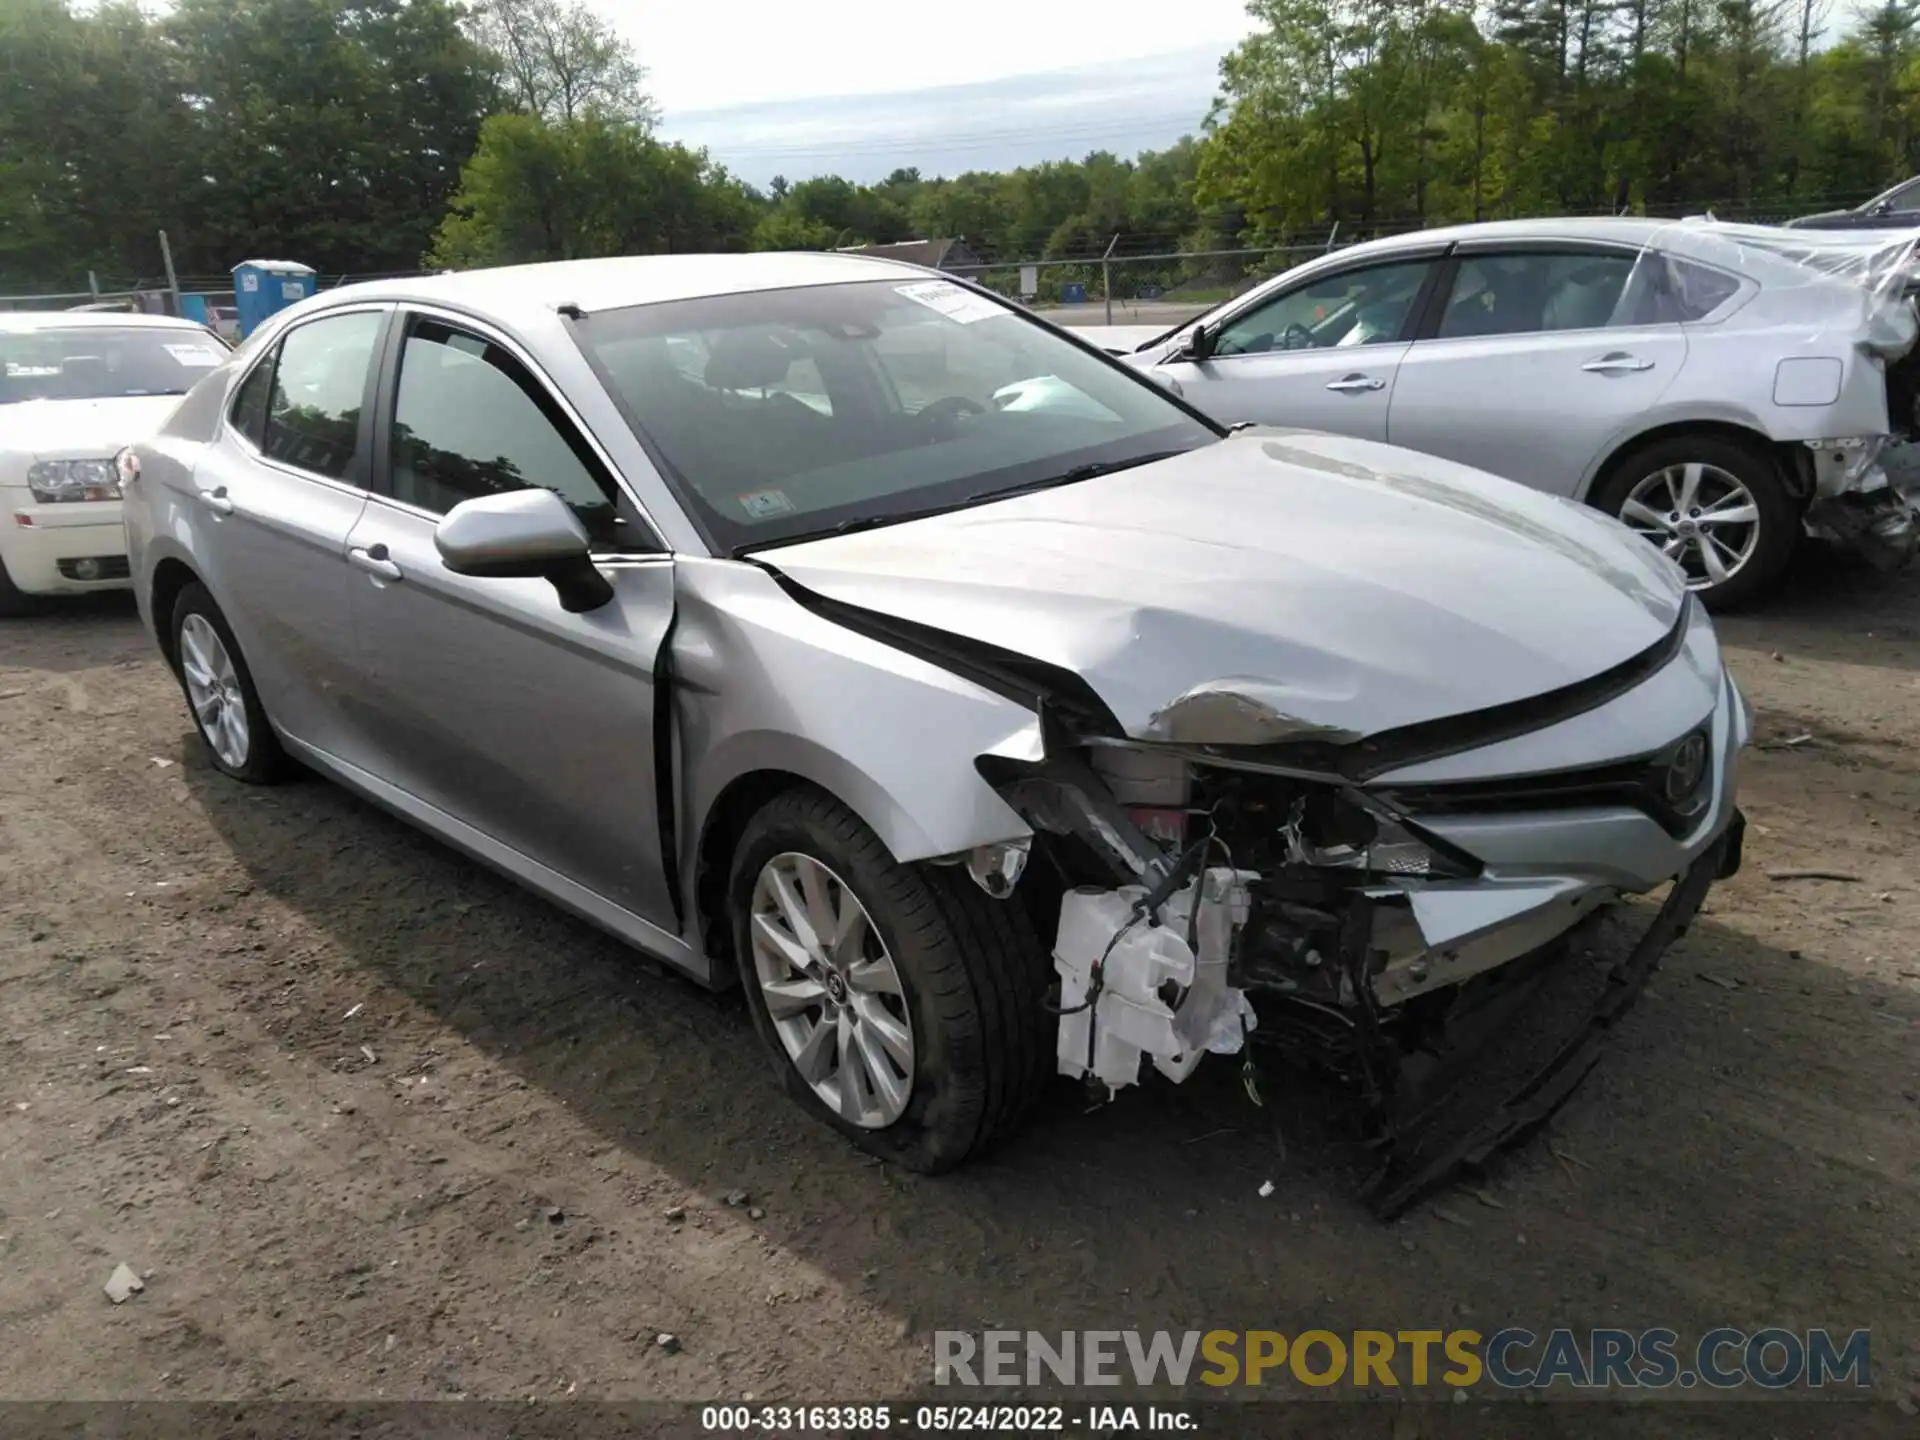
x,y
1729,378
157,509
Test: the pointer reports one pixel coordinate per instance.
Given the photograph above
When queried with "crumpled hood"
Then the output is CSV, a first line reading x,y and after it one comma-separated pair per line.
x,y
1275,585
81,429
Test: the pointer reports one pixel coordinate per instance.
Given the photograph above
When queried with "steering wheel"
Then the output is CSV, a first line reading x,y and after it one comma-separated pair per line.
x,y
941,414
1296,332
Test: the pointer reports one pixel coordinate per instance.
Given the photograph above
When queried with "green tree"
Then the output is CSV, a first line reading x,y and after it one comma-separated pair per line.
x,y
330,131
96,144
1371,114
560,61
536,190
826,211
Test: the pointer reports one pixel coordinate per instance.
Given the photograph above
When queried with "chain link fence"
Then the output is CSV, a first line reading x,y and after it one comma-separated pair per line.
x,y
1134,279
1128,287
208,298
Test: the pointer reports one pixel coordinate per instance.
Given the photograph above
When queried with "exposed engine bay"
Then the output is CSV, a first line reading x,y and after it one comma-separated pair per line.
x,y
1313,919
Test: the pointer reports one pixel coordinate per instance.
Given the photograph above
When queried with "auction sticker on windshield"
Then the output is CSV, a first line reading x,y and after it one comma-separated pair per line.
x,y
963,307
765,504
196,357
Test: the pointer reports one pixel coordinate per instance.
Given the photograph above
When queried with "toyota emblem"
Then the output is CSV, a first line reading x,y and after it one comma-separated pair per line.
x,y
1687,768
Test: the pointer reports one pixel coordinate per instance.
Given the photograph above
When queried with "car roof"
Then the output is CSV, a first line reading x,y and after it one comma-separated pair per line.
x,y
1620,229
622,281
1769,255
20,321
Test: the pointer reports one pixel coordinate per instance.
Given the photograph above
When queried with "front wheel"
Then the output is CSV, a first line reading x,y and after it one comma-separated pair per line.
x,y
1716,505
898,1003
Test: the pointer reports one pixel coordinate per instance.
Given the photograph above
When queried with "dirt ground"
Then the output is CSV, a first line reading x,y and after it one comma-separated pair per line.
x,y
375,1123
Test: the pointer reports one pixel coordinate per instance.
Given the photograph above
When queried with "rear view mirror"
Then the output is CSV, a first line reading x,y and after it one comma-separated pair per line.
x,y
523,534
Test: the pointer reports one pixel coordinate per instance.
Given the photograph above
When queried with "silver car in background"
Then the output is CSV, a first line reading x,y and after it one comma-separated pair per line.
x,y
1720,388
821,625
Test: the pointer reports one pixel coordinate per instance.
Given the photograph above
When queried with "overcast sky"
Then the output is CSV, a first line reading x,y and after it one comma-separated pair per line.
x,y
775,86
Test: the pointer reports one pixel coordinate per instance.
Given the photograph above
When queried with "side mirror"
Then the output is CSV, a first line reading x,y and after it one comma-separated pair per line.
x,y
523,534
1198,345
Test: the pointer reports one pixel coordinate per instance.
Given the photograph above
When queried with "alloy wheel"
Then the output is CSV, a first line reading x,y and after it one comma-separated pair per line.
x,y
213,690
1702,516
832,990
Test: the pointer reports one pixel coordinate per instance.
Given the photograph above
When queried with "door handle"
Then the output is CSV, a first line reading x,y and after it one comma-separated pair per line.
x,y
217,501
1356,381
1618,363
373,559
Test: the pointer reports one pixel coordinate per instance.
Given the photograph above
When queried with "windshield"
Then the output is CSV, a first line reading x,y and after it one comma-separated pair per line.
x,y
96,362
789,413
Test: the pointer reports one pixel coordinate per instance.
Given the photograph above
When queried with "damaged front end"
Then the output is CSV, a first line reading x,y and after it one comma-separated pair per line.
x,y
1372,818
1258,892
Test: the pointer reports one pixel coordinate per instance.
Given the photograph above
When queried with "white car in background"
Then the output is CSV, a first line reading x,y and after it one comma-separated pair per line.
x,y
1720,388
75,389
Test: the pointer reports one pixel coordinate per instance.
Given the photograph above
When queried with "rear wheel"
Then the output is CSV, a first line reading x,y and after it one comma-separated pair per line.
x,y
898,1003
1715,504
220,692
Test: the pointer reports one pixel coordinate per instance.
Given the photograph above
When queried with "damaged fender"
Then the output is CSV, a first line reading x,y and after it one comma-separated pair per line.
x,y
823,696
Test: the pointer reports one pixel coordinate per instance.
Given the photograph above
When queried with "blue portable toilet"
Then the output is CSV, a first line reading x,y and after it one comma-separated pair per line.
x,y
1074,292
260,287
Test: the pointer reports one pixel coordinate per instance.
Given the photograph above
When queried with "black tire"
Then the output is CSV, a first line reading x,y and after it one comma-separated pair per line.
x,y
265,763
1749,462
973,976
14,601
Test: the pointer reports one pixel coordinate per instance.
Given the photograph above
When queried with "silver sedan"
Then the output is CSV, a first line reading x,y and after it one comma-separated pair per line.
x,y
828,627
1720,388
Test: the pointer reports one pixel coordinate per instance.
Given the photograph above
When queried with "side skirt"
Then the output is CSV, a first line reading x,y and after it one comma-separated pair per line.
x,y
590,906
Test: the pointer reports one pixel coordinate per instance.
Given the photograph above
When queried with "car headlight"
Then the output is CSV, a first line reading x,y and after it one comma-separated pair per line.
x,y
54,481
1328,832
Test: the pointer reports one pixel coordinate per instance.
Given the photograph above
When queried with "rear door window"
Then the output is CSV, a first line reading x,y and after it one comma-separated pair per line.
x,y
1696,291
1521,294
319,387
248,415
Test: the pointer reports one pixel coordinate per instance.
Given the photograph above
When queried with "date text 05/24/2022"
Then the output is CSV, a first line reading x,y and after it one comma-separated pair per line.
x,y
908,1418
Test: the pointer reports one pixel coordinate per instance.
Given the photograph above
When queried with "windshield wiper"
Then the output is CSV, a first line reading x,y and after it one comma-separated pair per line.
x,y
854,523
1093,470
897,517
1069,476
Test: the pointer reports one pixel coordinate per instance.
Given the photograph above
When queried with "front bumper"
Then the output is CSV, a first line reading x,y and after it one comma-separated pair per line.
x,y
1544,872
67,549
1498,974
1555,1020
